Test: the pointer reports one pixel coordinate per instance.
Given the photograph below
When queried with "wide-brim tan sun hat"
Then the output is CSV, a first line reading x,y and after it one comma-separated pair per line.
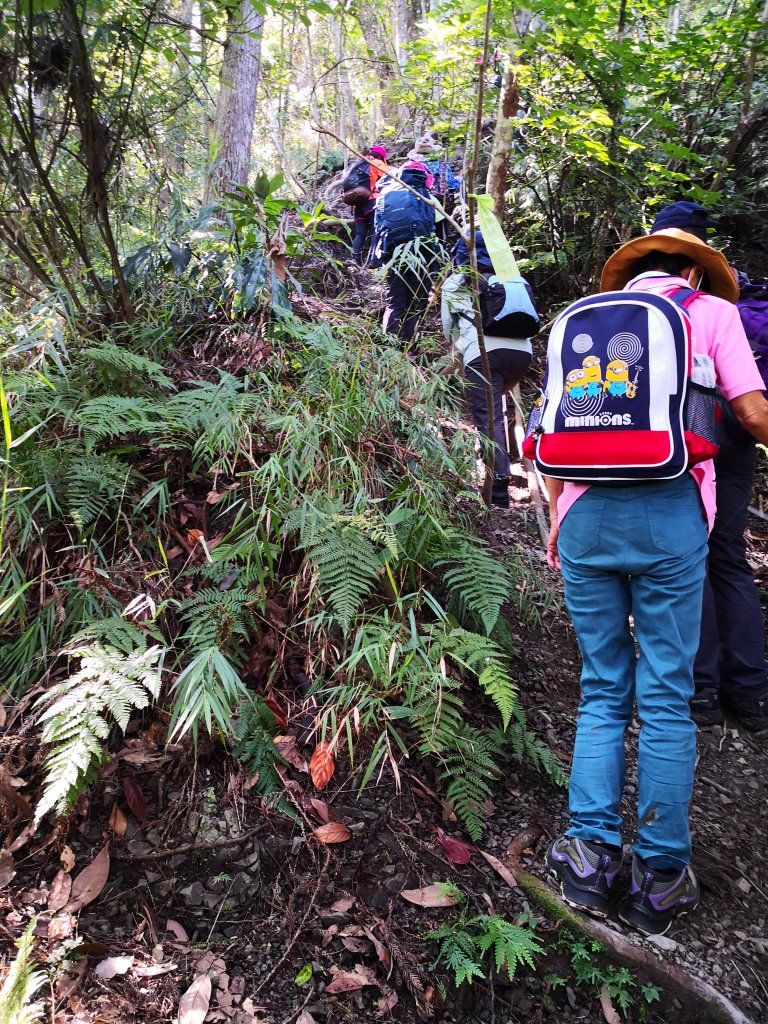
x,y
619,268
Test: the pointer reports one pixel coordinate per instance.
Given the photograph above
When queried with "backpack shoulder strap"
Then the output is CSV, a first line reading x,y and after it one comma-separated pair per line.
x,y
683,297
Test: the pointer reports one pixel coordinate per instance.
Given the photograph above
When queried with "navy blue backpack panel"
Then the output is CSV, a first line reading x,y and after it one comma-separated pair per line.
x,y
402,216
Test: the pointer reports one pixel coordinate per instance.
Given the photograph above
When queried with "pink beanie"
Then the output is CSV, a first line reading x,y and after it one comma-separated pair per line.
x,y
417,165
378,151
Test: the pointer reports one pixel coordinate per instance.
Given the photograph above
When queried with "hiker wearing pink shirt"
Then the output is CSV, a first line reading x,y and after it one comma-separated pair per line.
x,y
637,549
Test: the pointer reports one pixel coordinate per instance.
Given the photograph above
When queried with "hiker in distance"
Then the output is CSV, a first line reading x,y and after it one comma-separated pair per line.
x,y
507,330
625,434
360,189
406,243
445,183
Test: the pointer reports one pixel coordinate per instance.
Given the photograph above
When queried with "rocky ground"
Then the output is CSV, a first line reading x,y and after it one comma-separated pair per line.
x,y
187,887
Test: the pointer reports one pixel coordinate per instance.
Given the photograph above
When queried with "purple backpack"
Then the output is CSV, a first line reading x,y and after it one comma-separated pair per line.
x,y
753,309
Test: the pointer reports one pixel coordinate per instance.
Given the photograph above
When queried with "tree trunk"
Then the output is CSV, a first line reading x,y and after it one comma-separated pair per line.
x,y
503,140
378,45
346,96
236,102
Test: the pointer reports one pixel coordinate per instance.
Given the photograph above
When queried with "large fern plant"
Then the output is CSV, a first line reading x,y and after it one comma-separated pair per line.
x,y
80,712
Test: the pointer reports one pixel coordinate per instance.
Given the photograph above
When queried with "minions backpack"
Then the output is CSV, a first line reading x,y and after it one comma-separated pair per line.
x,y
624,397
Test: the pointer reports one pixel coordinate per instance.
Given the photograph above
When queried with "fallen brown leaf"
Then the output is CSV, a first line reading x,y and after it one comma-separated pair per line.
x,y
286,746
455,850
67,984
387,1000
61,889
343,905
89,883
112,966
333,832
609,1012
135,798
178,930
153,970
118,821
384,955
499,868
60,927
7,869
67,858
305,1017
321,766
353,945
321,809
281,719
429,896
193,1005
349,981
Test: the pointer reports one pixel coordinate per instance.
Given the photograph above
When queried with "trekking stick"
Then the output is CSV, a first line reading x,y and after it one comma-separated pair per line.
x,y
535,483
472,250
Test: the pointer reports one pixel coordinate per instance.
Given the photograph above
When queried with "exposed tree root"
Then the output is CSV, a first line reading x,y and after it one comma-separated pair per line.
x,y
716,1005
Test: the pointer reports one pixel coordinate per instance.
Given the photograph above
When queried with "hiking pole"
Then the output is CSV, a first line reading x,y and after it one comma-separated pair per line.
x,y
535,484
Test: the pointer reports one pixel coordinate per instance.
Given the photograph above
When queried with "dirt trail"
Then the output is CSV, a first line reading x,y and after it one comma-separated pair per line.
x,y
287,929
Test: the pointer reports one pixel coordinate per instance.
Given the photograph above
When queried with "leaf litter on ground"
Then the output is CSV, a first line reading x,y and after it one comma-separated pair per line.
x,y
429,896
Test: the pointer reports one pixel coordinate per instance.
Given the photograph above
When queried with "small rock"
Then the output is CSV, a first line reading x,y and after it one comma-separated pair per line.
x,y
137,847
662,942
743,885
193,894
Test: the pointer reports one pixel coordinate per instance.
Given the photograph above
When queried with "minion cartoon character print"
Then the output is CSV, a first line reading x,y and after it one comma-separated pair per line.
x,y
593,377
587,388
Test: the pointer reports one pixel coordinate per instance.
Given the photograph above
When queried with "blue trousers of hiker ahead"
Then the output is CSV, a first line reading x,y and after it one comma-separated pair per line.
x,y
638,551
731,647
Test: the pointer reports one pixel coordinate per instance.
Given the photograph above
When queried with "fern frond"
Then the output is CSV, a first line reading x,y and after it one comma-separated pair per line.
x,y
464,967
94,484
347,566
470,769
119,365
526,745
109,685
486,660
479,580
220,619
253,745
20,984
115,631
512,945
117,416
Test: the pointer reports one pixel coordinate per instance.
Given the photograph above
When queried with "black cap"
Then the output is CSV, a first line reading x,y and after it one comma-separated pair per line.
x,y
691,217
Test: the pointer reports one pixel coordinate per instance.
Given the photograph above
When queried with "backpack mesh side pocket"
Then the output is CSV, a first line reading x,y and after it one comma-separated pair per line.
x,y
700,420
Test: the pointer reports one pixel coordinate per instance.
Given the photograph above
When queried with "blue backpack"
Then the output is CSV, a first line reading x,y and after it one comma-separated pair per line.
x,y
625,397
400,215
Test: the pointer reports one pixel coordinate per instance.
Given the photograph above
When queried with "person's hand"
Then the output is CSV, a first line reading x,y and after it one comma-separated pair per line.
x,y
553,558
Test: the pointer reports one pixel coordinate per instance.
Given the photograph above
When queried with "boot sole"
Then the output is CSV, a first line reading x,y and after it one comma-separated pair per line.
x,y
569,894
645,924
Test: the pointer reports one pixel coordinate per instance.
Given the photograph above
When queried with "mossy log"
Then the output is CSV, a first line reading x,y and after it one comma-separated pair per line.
x,y
667,975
